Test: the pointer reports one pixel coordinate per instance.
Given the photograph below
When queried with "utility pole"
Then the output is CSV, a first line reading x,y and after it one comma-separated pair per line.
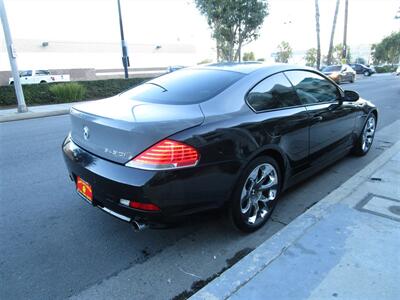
x,y
13,59
125,57
346,12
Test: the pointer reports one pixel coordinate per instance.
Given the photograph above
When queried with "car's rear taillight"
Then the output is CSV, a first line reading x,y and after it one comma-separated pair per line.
x,y
140,205
167,154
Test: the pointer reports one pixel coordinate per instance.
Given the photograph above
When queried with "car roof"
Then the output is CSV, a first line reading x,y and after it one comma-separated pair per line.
x,y
250,67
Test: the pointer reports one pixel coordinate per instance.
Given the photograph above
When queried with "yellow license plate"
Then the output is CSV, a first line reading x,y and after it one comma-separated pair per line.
x,y
84,189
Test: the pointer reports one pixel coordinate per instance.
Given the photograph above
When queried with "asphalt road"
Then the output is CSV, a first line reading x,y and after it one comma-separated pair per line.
x,y
53,245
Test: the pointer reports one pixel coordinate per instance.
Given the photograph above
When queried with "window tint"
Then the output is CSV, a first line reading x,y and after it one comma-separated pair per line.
x,y
25,73
185,86
273,92
42,72
312,88
331,69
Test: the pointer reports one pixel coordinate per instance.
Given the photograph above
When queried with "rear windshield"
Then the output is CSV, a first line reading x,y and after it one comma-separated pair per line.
x,y
186,86
331,69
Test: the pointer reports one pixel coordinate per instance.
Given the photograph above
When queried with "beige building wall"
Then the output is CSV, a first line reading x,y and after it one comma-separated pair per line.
x,y
99,60
48,54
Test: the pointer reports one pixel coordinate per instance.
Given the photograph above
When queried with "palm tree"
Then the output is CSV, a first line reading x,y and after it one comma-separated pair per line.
x,y
346,13
329,58
318,34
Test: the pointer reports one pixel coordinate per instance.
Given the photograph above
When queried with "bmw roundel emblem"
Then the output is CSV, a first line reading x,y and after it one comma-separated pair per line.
x,y
86,132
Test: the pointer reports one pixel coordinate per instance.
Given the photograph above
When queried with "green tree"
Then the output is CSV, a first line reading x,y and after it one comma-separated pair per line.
x,y
311,57
360,60
388,50
337,52
249,56
205,61
284,52
234,23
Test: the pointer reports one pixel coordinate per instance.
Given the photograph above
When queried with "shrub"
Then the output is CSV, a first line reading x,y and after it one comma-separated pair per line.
x,y
68,92
37,94
385,69
249,56
205,61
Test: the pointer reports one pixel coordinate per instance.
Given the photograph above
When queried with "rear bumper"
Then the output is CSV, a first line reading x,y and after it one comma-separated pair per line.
x,y
178,193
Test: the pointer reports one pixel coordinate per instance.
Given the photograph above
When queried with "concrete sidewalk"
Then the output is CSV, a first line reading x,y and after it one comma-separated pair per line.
x,y
39,111
344,247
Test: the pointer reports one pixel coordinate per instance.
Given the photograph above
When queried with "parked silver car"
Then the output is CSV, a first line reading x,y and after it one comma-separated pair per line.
x,y
340,73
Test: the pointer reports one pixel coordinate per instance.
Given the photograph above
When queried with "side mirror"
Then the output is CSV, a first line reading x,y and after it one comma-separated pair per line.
x,y
351,96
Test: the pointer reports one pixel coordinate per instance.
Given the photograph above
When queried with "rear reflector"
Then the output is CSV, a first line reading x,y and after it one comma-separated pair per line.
x,y
144,206
167,154
141,206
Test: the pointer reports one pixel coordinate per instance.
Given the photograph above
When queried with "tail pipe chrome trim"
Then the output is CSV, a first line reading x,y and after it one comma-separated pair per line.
x,y
139,226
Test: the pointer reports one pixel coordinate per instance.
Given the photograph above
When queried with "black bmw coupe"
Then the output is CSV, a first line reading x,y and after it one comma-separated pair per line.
x,y
222,135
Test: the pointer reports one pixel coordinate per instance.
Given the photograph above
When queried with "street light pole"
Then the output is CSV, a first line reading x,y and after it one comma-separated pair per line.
x,y
13,59
125,57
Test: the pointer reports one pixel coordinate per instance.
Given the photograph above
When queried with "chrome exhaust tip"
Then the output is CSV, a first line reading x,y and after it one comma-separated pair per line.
x,y
138,226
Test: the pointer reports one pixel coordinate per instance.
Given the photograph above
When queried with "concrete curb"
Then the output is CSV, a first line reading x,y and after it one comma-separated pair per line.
x,y
242,272
32,115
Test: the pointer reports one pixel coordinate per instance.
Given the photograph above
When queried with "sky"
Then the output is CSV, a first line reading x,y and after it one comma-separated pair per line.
x,y
178,21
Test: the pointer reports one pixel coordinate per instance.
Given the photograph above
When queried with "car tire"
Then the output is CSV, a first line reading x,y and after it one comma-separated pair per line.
x,y
353,78
253,199
366,73
366,138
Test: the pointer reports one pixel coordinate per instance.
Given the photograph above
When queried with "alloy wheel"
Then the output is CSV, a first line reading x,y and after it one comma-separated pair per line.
x,y
368,134
258,193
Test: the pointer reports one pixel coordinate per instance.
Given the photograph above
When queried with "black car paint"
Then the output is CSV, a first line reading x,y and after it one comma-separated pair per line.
x,y
228,139
362,69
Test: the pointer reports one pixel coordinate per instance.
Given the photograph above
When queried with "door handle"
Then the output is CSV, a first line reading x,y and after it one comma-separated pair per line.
x,y
318,118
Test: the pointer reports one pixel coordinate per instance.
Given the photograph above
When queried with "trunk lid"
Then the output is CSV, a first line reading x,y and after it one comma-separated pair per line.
x,y
119,128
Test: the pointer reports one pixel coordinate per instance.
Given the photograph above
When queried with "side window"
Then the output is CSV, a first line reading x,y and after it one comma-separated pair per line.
x,y
313,88
42,72
273,92
25,73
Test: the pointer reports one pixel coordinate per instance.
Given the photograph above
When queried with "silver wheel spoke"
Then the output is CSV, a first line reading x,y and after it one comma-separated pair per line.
x,y
273,182
245,199
253,217
246,208
246,192
265,171
263,213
